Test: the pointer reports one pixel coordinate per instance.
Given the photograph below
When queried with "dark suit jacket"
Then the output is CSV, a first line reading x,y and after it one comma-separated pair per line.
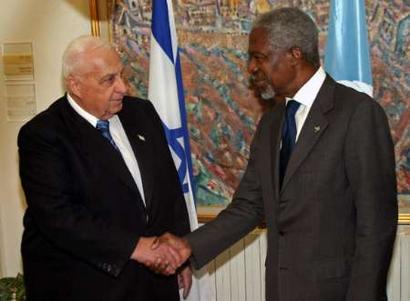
x,y
85,214
332,224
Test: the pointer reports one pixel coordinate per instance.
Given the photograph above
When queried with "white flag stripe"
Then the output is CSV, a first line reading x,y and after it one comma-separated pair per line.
x,y
163,90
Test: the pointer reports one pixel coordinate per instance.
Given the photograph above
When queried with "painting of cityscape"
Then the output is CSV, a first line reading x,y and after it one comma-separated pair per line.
x,y
222,111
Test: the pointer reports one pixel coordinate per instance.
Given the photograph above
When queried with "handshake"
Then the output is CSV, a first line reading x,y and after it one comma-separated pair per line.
x,y
163,254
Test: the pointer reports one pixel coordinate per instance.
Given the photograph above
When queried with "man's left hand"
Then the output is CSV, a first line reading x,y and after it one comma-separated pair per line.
x,y
185,280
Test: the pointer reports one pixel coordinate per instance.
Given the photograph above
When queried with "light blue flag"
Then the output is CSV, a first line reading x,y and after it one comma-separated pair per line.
x,y
167,94
347,57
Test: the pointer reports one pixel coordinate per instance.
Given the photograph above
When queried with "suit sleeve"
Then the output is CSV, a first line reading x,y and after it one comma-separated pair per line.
x,y
242,215
370,169
58,213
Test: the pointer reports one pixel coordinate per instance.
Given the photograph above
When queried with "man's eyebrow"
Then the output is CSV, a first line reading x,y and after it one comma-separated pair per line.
x,y
113,73
107,76
258,53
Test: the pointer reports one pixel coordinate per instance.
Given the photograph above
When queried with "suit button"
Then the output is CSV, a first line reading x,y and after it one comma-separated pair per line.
x,y
115,270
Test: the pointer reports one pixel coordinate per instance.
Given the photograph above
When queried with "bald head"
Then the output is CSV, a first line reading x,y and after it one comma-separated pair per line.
x,y
92,71
77,51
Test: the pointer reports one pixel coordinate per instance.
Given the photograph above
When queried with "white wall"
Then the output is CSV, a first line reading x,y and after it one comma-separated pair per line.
x,y
50,25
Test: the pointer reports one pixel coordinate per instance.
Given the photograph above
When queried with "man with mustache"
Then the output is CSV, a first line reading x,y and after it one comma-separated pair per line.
x,y
100,185
321,174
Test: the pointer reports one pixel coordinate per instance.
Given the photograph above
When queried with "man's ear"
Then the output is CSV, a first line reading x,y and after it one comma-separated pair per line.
x,y
73,85
295,55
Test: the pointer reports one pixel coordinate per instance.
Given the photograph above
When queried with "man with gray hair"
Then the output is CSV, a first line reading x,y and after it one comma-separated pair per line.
x,y
321,174
100,185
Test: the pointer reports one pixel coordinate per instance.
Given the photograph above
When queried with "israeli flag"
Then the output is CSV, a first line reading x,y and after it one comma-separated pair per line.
x,y
167,94
347,57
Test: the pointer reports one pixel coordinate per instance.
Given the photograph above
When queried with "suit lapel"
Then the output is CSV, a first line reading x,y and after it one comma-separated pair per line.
x,y
142,151
276,136
313,128
96,148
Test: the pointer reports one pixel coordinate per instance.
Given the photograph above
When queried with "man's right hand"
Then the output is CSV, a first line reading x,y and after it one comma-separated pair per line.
x,y
179,244
161,258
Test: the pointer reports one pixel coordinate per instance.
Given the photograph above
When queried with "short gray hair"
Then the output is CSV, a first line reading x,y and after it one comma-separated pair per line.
x,y
290,27
77,47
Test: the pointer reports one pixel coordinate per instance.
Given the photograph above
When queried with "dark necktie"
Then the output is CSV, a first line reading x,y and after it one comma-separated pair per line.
x,y
104,127
288,136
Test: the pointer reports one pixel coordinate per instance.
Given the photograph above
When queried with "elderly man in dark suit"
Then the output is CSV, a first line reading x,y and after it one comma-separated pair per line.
x,y
100,185
321,174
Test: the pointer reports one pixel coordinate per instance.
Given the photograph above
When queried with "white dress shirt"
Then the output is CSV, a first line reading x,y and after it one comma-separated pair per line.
x,y
306,96
121,140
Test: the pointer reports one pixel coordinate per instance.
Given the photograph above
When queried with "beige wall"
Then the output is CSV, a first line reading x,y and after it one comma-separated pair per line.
x,y
49,24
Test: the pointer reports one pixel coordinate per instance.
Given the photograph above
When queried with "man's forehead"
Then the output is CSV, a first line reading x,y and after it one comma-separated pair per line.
x,y
257,32
258,40
102,65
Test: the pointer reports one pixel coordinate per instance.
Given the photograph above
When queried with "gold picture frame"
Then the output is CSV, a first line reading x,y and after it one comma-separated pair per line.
x,y
100,18
404,218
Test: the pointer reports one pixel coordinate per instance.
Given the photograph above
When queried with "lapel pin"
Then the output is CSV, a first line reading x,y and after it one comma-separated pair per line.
x,y
142,138
316,128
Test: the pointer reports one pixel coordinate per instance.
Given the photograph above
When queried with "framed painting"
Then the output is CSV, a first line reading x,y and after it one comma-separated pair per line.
x,y
222,112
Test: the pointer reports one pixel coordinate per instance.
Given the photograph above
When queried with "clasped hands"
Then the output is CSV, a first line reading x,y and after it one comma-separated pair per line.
x,y
163,254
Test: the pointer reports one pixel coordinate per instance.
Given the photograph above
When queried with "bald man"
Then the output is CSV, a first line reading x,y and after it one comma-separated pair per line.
x,y
100,185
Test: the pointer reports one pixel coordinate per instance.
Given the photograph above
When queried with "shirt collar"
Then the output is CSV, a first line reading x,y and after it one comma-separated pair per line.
x,y
308,92
83,113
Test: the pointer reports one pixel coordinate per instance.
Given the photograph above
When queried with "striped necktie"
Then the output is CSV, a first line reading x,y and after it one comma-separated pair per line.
x,y
104,127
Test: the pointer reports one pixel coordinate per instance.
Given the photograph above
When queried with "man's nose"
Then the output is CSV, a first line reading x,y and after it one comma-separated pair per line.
x,y
121,87
251,66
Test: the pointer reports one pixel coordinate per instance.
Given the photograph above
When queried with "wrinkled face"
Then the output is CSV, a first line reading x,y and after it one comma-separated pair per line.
x,y
97,85
271,72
